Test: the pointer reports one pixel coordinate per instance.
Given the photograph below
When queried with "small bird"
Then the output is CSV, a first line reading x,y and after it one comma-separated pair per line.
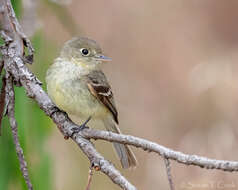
x,y
77,85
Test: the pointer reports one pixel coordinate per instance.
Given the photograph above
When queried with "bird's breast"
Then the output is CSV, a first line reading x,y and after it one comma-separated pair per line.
x,y
68,89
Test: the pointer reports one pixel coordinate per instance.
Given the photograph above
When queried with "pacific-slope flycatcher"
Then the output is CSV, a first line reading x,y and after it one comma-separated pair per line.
x,y
77,85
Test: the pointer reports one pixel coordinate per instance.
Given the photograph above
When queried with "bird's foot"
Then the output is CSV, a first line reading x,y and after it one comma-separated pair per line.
x,y
81,127
95,166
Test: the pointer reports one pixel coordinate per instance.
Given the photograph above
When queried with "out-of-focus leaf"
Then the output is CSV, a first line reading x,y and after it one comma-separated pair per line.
x,y
17,6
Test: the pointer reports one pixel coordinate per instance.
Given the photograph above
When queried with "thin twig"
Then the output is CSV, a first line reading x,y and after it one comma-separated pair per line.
x,y
168,171
90,176
10,95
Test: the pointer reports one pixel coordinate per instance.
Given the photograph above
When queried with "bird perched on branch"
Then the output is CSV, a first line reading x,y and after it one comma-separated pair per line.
x,y
77,85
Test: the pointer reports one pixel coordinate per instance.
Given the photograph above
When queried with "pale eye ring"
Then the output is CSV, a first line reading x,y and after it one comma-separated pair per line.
x,y
84,51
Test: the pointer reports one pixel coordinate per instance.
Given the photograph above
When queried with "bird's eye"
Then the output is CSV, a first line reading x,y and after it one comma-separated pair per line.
x,y
84,51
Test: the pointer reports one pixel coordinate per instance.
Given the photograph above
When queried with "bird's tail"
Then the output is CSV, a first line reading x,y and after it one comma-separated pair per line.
x,y
125,154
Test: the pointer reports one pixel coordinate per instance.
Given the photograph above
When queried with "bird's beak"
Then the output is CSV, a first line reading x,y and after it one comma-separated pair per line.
x,y
100,57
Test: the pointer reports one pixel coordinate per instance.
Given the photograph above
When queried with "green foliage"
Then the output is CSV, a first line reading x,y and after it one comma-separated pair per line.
x,y
17,6
8,162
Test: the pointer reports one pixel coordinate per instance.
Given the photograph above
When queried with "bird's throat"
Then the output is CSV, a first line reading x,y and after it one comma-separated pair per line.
x,y
85,64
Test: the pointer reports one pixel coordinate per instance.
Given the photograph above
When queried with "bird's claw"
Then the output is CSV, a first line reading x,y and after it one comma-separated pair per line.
x,y
81,127
78,129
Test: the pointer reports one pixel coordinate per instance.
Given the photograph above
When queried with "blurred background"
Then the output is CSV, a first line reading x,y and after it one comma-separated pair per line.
x,y
175,79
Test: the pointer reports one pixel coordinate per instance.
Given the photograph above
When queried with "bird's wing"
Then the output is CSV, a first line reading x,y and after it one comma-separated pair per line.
x,y
99,87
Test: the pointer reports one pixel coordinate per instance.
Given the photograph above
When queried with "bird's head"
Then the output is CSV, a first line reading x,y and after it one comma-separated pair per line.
x,y
84,51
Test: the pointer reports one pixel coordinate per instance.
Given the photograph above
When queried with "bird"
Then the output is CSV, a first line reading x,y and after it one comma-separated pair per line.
x,y
78,86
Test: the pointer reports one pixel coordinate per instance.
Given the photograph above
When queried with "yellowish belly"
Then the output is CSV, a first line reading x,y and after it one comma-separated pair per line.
x,y
76,99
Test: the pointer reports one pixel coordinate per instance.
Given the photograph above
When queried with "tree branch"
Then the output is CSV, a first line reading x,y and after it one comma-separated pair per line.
x,y
149,146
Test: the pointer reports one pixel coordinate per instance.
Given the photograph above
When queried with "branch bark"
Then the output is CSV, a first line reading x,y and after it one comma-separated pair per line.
x,y
165,152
